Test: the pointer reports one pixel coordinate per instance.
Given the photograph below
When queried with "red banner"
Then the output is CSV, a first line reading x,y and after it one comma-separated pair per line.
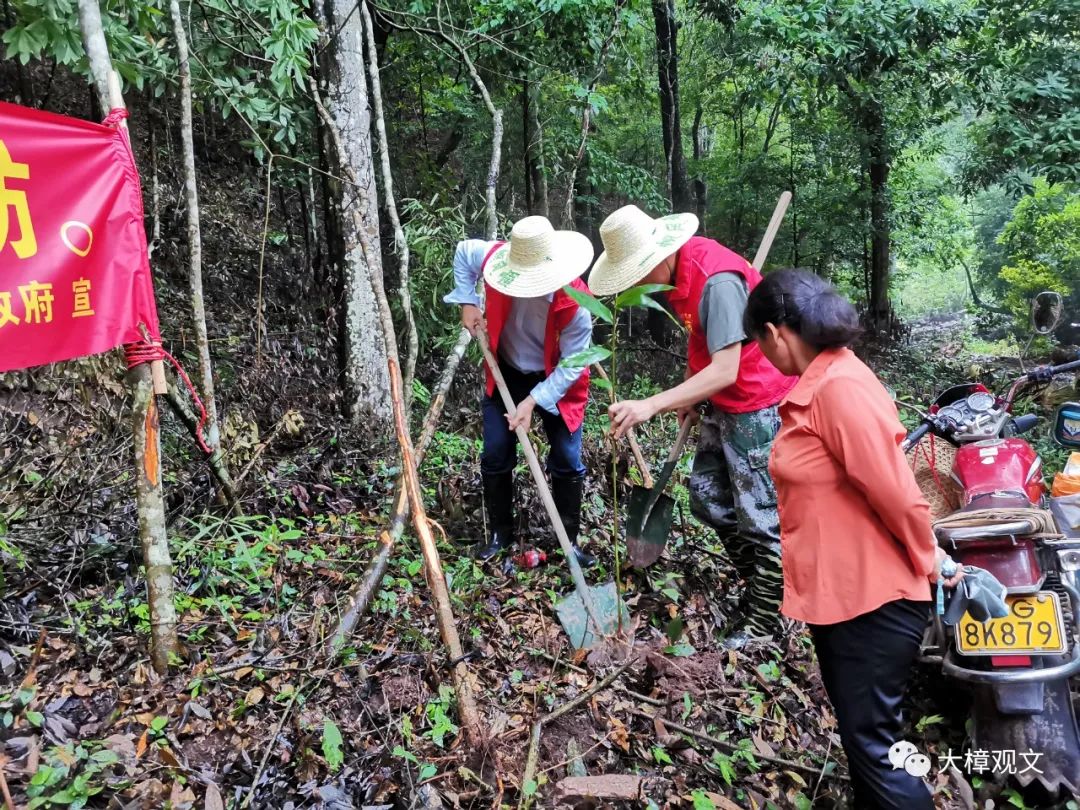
x,y
74,271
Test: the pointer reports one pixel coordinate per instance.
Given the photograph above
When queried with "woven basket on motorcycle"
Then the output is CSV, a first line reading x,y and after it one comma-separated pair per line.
x,y
932,462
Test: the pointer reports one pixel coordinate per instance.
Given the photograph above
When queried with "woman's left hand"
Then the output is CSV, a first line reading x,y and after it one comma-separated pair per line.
x,y
950,582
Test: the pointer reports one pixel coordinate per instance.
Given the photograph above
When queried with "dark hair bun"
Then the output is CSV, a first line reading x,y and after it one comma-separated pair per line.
x,y
806,303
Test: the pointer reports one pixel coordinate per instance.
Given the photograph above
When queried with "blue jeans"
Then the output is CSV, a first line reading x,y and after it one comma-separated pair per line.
x,y
500,443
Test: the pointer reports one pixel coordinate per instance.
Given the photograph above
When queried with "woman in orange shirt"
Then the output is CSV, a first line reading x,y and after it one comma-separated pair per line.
x,y
859,553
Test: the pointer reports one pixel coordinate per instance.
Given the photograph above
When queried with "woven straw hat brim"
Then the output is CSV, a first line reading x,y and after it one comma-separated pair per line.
x,y
670,233
567,257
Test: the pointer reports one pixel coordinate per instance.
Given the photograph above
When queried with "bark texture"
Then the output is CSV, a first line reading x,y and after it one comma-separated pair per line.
x,y
191,194
150,501
97,52
401,245
151,507
536,184
667,58
367,386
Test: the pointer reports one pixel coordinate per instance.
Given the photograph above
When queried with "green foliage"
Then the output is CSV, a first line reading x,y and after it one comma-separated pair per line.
x,y
440,724
1025,65
1042,246
331,746
250,58
71,775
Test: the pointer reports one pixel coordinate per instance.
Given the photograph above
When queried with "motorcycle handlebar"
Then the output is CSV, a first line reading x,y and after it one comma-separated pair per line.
x,y
1042,374
1070,366
915,435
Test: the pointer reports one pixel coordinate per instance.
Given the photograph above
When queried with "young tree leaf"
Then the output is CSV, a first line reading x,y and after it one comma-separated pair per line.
x,y
652,303
635,295
593,354
331,746
590,303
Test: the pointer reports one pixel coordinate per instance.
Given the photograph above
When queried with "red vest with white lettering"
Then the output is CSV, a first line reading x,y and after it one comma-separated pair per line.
x,y
759,385
560,314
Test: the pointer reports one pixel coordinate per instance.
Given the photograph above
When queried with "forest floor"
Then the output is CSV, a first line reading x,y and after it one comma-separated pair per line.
x,y
257,703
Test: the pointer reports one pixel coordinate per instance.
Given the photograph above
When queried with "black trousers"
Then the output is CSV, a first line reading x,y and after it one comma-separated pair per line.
x,y
865,663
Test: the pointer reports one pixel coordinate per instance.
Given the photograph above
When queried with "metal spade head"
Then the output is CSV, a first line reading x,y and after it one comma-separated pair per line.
x,y
647,529
575,619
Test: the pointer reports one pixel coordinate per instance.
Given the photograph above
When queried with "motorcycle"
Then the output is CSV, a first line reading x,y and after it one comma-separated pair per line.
x,y
1019,666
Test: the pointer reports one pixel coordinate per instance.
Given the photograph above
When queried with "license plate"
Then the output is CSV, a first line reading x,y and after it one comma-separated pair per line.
x,y
1033,627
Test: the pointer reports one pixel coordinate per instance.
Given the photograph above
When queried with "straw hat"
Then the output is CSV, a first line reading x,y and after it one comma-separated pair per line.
x,y
538,260
634,243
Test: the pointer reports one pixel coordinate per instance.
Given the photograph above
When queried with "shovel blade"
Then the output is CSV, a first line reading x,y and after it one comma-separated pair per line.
x,y
573,617
647,534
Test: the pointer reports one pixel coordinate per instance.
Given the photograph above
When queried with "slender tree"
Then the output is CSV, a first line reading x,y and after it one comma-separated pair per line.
x,y
667,59
362,354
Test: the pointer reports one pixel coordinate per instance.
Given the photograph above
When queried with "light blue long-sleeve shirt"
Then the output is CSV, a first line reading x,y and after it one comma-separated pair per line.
x,y
521,343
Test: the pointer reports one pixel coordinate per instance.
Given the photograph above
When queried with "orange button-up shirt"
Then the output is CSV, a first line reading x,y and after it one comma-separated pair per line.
x,y
855,529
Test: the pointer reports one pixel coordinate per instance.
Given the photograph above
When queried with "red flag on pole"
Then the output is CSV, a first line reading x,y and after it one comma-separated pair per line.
x,y
74,270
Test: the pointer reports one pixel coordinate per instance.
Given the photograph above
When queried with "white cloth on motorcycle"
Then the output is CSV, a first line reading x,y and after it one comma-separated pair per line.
x,y
978,593
1066,509
1040,523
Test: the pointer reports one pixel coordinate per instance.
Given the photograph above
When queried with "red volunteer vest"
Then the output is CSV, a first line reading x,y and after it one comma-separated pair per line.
x,y
560,313
759,385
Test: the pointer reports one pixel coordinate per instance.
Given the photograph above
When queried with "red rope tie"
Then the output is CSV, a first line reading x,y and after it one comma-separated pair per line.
x,y
115,116
138,353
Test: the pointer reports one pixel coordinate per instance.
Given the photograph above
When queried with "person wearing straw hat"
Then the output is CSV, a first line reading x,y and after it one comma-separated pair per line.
x,y
730,486
532,324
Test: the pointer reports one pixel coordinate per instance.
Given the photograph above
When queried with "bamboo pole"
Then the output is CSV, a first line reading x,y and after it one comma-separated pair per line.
x,y
771,231
360,598
145,381
444,615
470,718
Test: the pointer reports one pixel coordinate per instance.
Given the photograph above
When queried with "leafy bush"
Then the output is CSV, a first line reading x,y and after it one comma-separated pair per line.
x,y
1042,246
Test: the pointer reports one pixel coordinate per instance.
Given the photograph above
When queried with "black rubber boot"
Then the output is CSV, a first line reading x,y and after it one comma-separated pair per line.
x,y
499,504
566,493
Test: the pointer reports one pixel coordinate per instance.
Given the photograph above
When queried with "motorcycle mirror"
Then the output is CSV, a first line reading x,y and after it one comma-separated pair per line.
x,y
1047,312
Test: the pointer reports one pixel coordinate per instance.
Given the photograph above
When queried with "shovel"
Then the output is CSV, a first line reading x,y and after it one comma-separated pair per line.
x,y
650,511
591,613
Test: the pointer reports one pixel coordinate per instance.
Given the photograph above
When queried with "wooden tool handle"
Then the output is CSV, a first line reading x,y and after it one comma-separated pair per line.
x,y
635,448
771,231
541,484
680,442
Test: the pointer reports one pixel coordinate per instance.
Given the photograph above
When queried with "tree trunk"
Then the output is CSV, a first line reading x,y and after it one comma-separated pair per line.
x,y
191,193
366,380
701,193
401,244
525,147
157,560
878,170
536,182
668,64
149,498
